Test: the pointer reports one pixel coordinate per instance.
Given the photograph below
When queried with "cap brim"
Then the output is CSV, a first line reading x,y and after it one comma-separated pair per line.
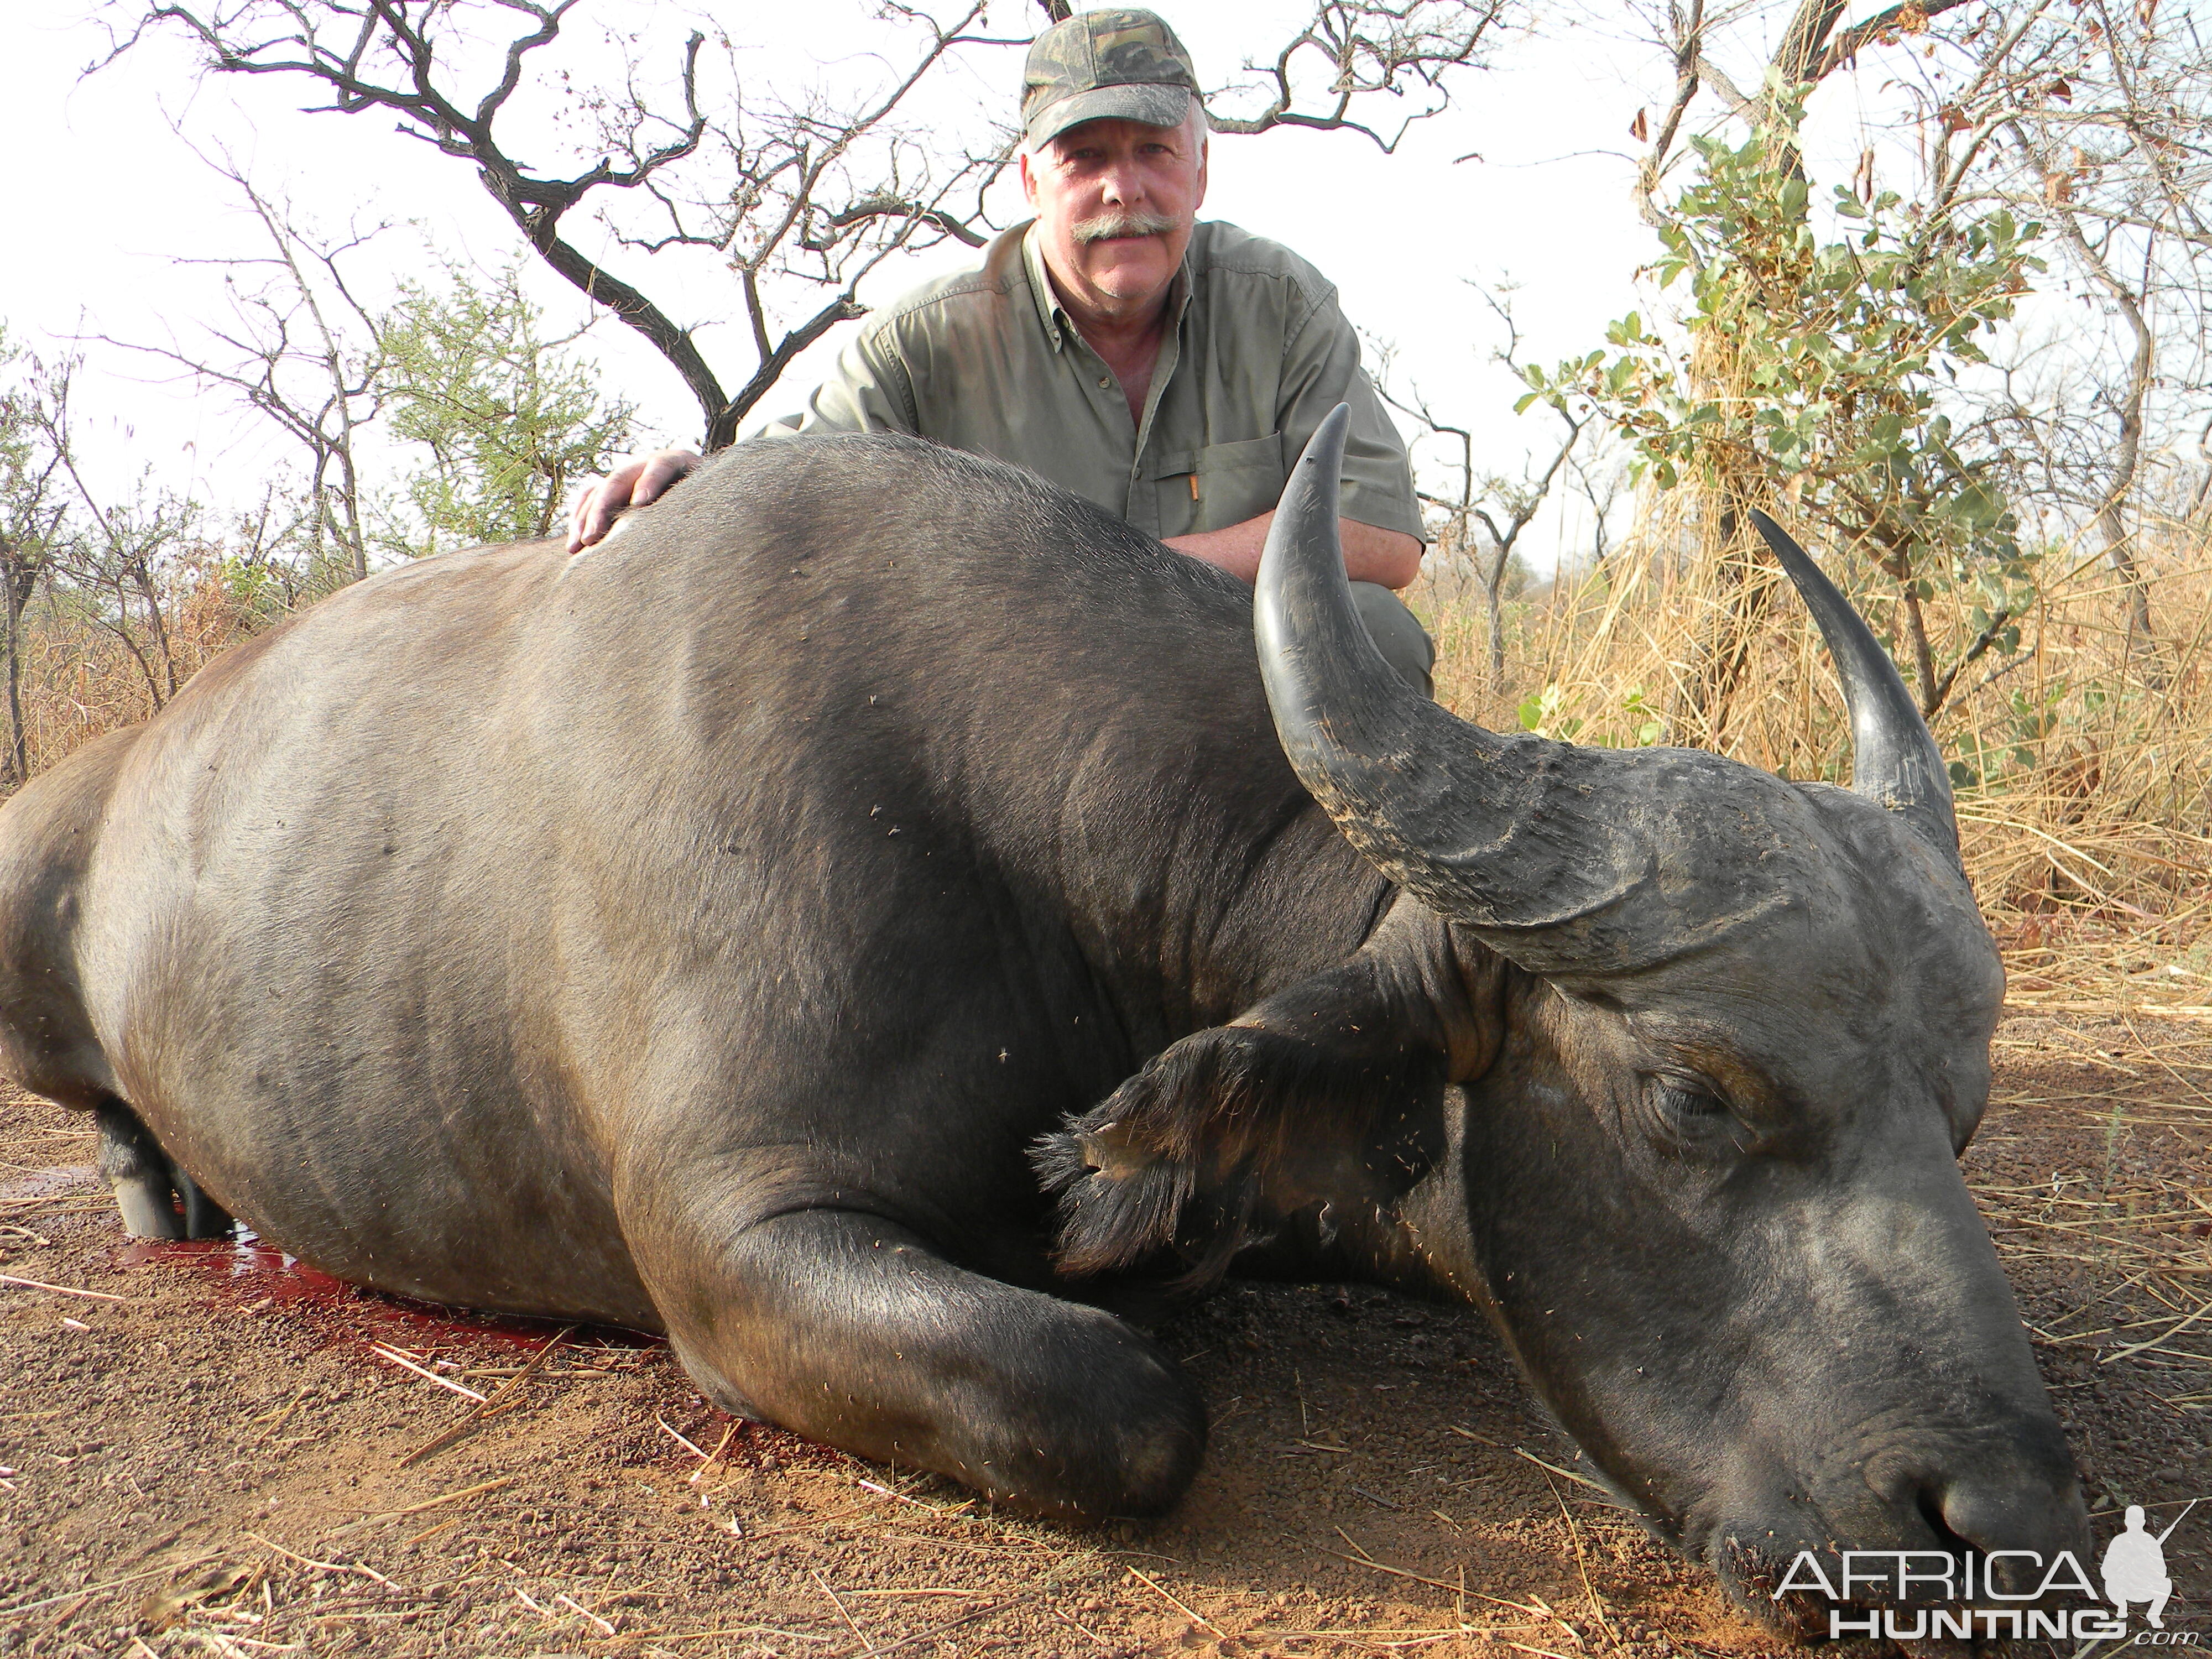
x,y
1154,106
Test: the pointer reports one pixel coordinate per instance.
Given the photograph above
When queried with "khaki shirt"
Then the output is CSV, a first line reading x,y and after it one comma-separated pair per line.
x,y
987,361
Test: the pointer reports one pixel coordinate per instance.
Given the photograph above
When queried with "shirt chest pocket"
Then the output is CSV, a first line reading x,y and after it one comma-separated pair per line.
x,y
1219,485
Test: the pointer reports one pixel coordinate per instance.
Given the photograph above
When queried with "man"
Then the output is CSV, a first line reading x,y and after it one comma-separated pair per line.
x,y
1169,371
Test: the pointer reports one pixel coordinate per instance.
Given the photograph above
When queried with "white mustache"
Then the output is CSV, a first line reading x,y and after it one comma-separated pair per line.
x,y
1097,229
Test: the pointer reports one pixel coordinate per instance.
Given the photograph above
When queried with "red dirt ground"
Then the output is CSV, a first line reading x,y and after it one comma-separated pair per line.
x,y
212,1462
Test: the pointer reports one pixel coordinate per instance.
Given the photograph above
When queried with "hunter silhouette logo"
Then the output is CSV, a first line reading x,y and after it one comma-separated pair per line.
x,y
2135,1567
1954,1595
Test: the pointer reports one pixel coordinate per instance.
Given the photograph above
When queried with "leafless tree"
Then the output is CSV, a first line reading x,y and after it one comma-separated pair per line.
x,y
1602,477
1361,47
2091,117
300,349
2128,403
813,196
2110,146
799,197
33,515
1502,506
815,191
114,553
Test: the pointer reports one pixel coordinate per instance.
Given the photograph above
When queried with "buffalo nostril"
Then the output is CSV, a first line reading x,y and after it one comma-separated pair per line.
x,y
1947,1538
2018,1531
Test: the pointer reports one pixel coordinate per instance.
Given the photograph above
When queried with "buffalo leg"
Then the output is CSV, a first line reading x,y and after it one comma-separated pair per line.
x,y
203,1217
138,1172
851,1329
148,1185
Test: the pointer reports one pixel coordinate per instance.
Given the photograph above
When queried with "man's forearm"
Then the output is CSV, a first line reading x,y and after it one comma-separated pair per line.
x,y
1390,558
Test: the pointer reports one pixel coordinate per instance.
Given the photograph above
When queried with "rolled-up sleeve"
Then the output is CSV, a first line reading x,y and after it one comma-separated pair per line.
x,y
1320,369
868,391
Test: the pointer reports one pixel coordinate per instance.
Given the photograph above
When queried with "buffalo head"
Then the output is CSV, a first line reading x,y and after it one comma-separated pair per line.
x,y
1704,1170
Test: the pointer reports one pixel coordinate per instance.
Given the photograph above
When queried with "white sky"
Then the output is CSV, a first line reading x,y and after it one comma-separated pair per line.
x,y
107,208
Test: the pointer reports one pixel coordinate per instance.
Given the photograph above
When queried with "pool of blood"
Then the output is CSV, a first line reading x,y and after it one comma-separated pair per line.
x,y
247,1274
253,1277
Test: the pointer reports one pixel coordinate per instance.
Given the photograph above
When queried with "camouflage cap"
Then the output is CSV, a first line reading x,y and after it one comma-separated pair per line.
x,y
1121,63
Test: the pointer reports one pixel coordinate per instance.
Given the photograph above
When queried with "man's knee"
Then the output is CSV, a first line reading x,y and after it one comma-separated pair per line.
x,y
1398,635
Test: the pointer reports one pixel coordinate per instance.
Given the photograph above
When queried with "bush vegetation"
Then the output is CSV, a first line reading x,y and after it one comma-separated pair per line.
x,y
1849,356
2083,768
2082,765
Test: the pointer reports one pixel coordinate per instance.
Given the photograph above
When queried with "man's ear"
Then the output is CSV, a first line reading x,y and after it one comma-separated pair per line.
x,y
1029,180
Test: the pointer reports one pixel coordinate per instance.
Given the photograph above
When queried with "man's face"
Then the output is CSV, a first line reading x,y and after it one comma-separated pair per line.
x,y
1115,202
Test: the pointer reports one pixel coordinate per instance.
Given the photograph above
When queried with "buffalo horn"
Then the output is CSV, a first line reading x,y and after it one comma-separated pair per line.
x,y
1894,759
1509,833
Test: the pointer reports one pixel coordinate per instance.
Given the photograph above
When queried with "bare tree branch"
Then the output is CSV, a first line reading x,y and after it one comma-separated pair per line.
x,y
1369,46
798,193
2128,405
321,390
793,202
1517,500
1688,29
1883,26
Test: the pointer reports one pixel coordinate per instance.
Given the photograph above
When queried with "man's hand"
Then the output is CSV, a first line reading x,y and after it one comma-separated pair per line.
x,y
640,479
1390,558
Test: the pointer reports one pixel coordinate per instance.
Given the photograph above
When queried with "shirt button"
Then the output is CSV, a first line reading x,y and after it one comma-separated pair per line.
x,y
1104,381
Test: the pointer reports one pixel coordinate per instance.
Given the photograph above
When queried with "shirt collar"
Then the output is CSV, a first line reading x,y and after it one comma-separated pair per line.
x,y
1058,325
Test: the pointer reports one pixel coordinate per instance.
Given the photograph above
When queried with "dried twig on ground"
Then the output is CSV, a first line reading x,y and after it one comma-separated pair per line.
x,y
58,1289
504,1399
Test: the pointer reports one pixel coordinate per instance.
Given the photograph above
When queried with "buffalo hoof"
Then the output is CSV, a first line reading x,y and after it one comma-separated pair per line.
x,y
156,1198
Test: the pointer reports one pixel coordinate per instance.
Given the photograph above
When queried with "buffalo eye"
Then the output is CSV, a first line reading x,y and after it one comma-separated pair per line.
x,y
1689,1110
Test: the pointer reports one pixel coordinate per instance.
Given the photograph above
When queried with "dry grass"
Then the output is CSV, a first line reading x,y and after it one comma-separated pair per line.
x,y
2089,836
86,672
2091,855
2089,833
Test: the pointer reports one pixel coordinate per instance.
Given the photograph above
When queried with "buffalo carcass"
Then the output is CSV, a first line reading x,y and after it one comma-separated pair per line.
x,y
700,935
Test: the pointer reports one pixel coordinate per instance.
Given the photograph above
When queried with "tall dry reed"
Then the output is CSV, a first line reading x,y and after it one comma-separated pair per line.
x,y
2086,818
88,669
2087,827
